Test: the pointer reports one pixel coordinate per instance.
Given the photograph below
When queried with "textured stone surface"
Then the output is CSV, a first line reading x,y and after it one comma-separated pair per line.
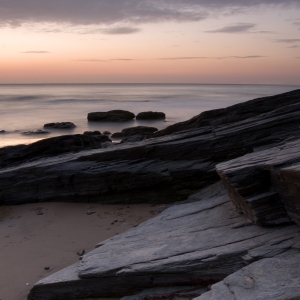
x,y
111,116
155,170
265,185
13,155
235,113
169,293
268,279
195,243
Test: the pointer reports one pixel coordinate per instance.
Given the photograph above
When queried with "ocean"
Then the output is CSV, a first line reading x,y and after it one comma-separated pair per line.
x,y
29,107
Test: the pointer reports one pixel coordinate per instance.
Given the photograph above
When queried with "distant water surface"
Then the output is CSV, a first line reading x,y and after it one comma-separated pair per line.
x,y
29,107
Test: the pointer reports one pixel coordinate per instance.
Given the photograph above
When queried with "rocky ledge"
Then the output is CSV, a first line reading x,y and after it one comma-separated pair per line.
x,y
240,235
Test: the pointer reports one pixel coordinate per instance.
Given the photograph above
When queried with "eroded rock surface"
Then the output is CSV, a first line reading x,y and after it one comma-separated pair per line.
x,y
14,155
196,243
156,170
268,279
265,185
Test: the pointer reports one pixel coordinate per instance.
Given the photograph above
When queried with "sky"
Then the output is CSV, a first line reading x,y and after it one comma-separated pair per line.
x,y
150,41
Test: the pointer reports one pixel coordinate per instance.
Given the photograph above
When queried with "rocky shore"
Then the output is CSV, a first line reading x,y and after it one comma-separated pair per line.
x,y
231,232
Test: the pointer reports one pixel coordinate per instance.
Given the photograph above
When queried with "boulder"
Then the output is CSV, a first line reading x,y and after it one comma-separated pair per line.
x,y
2,131
106,132
145,130
61,125
92,132
268,279
150,115
192,244
117,135
134,138
111,116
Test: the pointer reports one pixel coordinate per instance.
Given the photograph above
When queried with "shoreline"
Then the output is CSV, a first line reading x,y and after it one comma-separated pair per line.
x,y
49,235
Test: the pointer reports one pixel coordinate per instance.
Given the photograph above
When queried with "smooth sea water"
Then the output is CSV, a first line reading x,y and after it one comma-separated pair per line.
x,y
29,107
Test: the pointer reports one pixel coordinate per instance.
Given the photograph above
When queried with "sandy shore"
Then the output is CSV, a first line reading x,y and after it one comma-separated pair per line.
x,y
37,240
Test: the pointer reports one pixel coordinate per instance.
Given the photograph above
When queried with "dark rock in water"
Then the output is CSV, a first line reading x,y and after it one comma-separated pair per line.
x,y
134,138
268,279
92,132
264,185
136,134
107,133
138,130
117,135
61,125
111,116
2,131
196,243
150,115
35,132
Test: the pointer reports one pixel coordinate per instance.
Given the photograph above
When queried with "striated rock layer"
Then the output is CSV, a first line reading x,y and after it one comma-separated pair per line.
x,y
162,169
196,243
213,236
265,185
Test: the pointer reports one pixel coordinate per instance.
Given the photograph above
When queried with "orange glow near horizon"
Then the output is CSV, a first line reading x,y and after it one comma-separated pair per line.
x,y
159,53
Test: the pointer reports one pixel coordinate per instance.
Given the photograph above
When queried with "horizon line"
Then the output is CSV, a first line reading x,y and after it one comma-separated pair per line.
x,y
148,83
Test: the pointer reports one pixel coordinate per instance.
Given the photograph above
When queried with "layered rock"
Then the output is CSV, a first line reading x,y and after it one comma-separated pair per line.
x,y
235,113
252,145
13,155
111,116
192,244
265,185
170,167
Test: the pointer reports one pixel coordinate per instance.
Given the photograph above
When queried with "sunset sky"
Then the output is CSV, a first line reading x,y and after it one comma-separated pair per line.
x,y
155,41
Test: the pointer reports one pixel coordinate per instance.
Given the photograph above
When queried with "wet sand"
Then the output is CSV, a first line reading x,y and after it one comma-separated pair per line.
x,y
35,237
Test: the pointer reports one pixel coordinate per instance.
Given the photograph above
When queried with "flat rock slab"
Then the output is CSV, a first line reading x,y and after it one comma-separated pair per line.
x,y
111,116
60,125
267,279
265,185
196,243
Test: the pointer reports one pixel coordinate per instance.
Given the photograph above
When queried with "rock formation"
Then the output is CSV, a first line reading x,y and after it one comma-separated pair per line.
x,y
192,244
244,242
60,125
150,115
134,134
111,116
13,155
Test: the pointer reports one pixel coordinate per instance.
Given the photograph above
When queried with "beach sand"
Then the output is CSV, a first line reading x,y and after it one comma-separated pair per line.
x,y
35,237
